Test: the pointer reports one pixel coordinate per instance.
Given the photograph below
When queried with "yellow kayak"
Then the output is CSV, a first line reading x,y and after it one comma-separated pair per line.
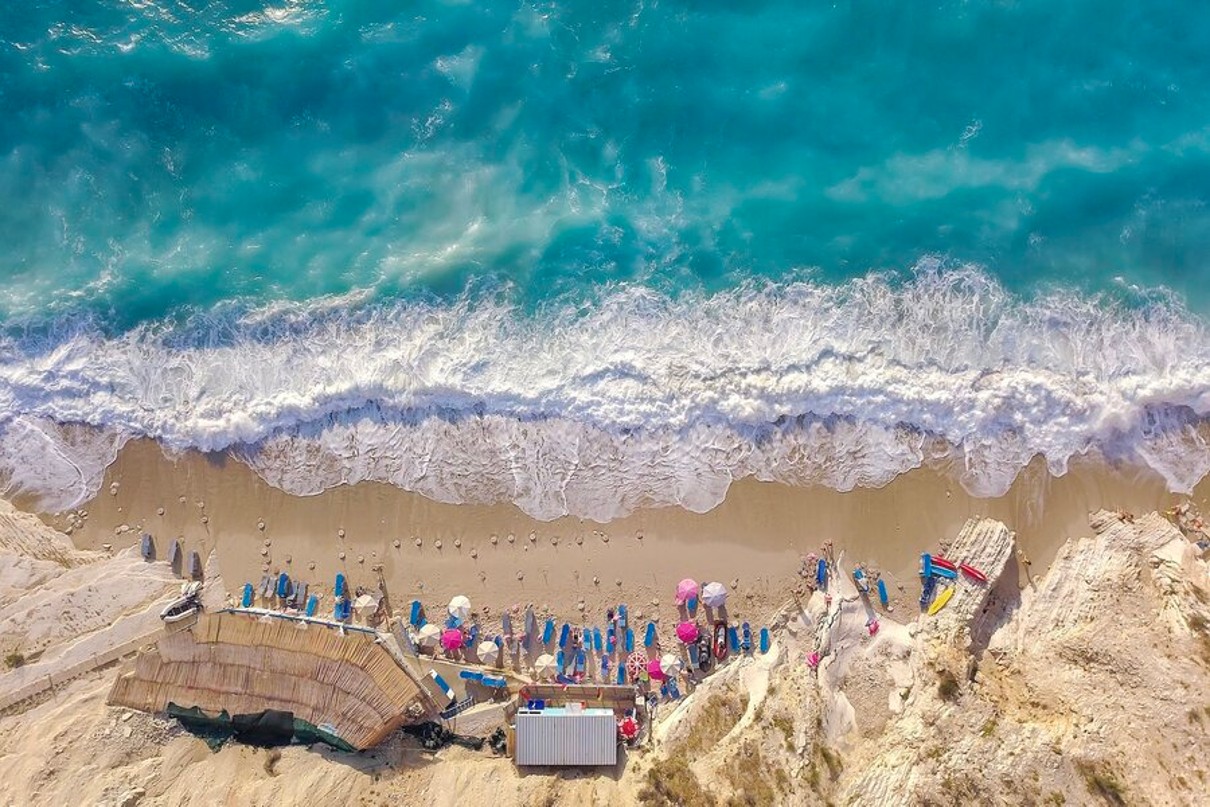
x,y
942,599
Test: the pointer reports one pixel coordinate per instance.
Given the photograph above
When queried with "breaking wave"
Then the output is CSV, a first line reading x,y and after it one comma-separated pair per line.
x,y
634,399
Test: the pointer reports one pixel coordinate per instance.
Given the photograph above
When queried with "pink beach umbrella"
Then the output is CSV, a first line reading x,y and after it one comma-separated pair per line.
x,y
686,590
655,670
451,639
687,632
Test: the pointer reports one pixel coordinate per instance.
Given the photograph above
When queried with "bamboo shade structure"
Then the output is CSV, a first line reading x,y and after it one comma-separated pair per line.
x,y
346,683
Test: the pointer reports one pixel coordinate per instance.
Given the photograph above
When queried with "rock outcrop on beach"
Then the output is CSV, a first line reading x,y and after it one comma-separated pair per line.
x,y
1091,685
1087,684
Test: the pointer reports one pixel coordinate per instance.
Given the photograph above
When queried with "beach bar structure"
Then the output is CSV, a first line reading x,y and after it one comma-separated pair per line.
x,y
342,687
566,735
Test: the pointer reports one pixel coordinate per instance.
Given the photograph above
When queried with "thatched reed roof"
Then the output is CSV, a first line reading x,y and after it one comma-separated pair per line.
x,y
348,685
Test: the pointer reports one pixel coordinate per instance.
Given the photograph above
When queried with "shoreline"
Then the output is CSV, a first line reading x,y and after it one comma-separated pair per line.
x,y
753,542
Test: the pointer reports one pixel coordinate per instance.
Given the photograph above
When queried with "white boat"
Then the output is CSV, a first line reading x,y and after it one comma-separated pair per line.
x,y
186,605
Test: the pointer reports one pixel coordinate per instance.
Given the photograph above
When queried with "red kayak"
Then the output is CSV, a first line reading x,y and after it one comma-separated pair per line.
x,y
944,564
971,572
720,640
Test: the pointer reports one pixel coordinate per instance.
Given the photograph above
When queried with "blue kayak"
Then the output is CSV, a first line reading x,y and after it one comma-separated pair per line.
x,y
629,641
649,639
283,584
247,600
733,638
340,585
926,564
564,632
548,631
312,604
821,573
597,643
882,595
941,571
764,640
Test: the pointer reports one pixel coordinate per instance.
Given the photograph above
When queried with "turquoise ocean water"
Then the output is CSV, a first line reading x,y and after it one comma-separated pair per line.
x,y
592,256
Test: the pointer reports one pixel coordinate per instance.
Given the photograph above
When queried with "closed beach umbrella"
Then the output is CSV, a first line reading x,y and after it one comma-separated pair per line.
x,y
671,665
451,639
686,590
636,662
488,652
430,635
655,670
545,666
714,594
687,632
460,608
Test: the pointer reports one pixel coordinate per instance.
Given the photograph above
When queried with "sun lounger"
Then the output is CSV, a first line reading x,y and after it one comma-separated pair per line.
x,y
548,632
746,640
415,617
649,639
621,674
470,675
623,617
339,590
312,604
564,632
629,641
610,640
764,640
246,602
495,682
733,638
597,643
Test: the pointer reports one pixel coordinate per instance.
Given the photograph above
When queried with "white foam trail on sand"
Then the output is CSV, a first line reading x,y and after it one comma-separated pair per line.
x,y
635,400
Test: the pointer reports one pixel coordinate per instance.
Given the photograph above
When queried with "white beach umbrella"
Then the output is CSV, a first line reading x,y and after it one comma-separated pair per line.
x,y
364,603
714,594
488,652
545,666
430,634
671,665
460,608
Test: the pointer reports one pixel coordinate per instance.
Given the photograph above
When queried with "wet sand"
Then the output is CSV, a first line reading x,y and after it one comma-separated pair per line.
x,y
499,557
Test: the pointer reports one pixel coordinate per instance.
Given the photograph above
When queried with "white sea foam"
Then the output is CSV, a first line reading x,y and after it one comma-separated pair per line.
x,y
637,399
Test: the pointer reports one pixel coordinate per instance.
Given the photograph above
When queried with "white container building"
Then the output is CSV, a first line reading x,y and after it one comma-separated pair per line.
x,y
566,736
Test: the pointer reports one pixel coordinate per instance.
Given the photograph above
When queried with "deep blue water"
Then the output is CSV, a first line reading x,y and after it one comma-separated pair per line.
x,y
182,180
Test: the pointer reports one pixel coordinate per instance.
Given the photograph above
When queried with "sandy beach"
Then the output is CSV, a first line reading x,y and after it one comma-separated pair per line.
x,y
500,558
